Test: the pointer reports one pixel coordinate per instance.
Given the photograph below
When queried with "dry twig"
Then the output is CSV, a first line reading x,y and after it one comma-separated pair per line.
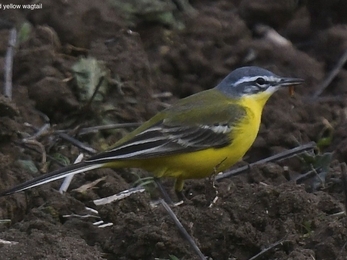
x,y
40,146
263,253
119,196
331,75
77,143
101,79
182,230
9,63
277,157
66,183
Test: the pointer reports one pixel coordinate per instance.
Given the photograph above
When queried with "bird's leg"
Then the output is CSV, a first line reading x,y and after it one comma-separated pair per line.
x,y
212,182
179,183
249,167
163,192
249,170
181,197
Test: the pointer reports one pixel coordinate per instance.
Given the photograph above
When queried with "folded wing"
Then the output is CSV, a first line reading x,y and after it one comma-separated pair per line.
x,y
164,139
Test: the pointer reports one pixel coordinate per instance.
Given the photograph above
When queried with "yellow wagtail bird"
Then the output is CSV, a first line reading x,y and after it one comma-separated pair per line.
x,y
202,134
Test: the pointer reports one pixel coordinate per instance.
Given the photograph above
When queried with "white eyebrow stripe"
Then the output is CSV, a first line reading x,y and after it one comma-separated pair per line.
x,y
251,79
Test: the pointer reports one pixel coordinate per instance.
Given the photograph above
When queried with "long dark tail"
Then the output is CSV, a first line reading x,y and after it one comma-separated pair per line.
x,y
52,176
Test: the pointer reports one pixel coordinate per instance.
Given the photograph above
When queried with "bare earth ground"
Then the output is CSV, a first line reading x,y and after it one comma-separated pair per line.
x,y
147,56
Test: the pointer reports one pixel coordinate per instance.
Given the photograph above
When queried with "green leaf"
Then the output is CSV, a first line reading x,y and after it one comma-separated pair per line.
x,y
28,166
87,72
24,32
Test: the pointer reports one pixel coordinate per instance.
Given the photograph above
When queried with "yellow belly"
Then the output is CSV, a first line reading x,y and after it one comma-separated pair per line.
x,y
206,162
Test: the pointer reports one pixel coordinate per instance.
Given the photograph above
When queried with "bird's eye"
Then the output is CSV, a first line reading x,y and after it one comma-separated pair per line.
x,y
260,81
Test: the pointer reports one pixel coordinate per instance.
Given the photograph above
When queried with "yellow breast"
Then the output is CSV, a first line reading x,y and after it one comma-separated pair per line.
x,y
204,163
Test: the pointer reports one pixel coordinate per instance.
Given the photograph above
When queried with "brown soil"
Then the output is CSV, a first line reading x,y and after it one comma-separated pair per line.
x,y
255,210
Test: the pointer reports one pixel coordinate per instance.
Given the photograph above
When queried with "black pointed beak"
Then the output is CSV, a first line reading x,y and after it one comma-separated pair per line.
x,y
290,82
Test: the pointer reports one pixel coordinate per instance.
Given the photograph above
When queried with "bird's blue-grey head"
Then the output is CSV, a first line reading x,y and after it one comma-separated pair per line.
x,y
253,80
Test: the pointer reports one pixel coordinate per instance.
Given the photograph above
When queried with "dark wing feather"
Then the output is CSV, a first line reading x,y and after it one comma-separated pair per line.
x,y
195,123
162,140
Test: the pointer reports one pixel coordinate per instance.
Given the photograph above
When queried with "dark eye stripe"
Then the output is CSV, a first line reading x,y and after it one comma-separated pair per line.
x,y
261,81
